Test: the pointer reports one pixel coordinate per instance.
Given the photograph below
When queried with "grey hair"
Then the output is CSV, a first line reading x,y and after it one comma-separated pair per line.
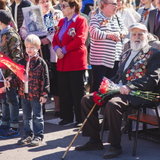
x,y
101,3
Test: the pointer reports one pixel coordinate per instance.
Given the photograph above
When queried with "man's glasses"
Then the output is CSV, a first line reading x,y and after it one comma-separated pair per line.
x,y
114,4
63,6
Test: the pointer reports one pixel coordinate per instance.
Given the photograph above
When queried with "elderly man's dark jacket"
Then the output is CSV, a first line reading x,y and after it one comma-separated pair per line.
x,y
143,73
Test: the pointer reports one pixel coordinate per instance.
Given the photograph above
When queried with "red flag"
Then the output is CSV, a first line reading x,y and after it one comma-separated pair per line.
x,y
2,66
17,69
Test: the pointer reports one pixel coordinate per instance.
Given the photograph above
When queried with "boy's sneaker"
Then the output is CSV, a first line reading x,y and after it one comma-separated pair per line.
x,y
25,141
36,141
10,133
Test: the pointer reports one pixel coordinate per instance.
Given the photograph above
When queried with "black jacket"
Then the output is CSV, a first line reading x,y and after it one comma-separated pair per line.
x,y
143,73
24,3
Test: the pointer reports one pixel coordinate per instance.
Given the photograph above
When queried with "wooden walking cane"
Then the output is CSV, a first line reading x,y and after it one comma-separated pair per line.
x,y
74,138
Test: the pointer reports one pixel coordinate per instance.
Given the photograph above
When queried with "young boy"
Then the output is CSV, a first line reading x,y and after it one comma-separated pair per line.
x,y
10,45
33,92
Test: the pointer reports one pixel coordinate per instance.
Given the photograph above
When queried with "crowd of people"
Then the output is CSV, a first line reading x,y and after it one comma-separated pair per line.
x,y
57,43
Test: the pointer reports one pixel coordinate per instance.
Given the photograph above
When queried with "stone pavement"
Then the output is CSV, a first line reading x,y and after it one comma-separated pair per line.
x,y
57,138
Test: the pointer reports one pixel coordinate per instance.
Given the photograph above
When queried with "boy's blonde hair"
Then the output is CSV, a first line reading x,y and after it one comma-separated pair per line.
x,y
34,40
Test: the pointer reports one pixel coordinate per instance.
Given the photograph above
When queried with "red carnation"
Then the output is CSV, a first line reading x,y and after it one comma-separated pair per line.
x,y
104,87
97,99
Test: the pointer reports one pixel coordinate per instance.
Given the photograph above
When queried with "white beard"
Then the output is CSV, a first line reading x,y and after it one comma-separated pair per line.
x,y
137,46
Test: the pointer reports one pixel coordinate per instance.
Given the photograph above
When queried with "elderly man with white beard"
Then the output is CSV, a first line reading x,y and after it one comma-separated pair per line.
x,y
139,70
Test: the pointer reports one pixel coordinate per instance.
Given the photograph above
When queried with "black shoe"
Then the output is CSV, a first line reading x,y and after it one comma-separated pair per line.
x,y
57,114
90,146
4,127
65,123
77,124
11,133
112,152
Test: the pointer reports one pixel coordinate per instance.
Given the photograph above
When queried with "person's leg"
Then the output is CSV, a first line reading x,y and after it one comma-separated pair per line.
x,y
38,121
57,106
27,123
5,113
12,100
77,91
66,104
113,112
5,125
98,72
111,72
53,75
10,113
91,128
27,117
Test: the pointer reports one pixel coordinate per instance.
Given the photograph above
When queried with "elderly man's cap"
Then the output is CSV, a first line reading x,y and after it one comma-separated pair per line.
x,y
5,17
139,26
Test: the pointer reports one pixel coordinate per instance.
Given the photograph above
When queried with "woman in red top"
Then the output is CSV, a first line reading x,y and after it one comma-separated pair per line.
x,y
69,45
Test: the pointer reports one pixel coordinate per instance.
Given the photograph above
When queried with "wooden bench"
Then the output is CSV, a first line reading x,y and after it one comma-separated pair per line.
x,y
144,118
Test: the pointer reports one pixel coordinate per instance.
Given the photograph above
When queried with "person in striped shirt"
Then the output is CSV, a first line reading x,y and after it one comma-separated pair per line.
x,y
107,32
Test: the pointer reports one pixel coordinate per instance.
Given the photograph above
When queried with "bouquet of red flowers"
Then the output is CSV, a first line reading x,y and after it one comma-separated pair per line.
x,y
107,88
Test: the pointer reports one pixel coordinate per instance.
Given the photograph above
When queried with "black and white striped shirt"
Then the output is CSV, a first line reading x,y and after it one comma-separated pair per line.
x,y
105,51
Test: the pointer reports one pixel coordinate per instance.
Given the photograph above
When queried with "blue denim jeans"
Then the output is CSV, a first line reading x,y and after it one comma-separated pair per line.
x,y
33,118
10,109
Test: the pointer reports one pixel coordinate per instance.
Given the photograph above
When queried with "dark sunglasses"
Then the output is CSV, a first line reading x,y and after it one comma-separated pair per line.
x,y
63,6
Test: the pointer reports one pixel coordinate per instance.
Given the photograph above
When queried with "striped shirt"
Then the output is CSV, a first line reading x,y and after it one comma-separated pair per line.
x,y
105,51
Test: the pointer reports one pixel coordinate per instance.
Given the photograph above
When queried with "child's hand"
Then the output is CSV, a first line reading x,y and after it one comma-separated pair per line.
x,y
2,90
7,84
8,78
42,100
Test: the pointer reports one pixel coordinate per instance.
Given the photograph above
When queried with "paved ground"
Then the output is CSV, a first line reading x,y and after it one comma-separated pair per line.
x,y
57,139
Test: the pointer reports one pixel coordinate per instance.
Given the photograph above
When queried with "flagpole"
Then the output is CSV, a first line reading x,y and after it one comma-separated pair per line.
x,y
3,77
2,74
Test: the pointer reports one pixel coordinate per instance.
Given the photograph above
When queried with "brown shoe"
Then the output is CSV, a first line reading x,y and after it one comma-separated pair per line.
x,y
112,152
90,146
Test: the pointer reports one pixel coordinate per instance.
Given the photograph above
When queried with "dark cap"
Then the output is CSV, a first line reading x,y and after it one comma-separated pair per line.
x,y
5,17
